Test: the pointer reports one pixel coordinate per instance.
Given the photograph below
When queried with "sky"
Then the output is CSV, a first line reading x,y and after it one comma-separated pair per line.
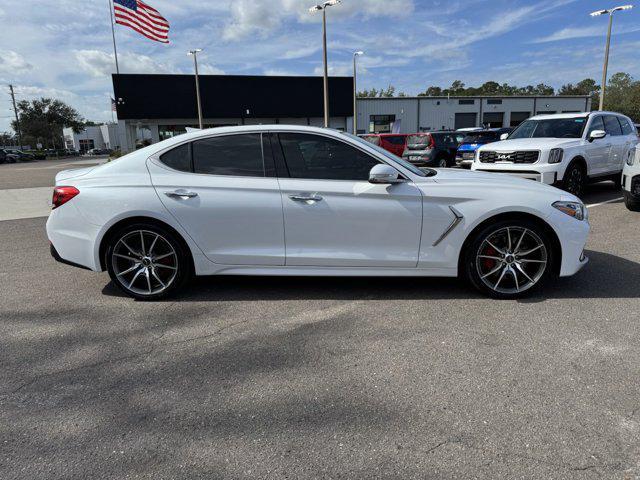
x,y
63,48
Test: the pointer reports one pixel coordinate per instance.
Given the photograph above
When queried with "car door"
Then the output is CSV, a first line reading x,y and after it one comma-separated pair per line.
x,y
630,140
224,193
598,150
334,217
613,129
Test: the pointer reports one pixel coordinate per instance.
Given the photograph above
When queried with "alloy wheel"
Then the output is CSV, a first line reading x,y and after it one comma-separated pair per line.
x,y
442,163
511,260
575,181
144,262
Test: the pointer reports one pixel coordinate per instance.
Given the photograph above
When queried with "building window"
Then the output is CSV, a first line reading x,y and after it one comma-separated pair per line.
x,y
494,101
518,117
466,102
381,123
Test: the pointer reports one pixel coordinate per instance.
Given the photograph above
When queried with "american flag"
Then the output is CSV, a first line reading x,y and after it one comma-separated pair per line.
x,y
142,18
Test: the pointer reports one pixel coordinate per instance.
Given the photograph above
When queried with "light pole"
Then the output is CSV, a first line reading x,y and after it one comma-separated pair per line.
x,y
606,50
323,7
355,92
195,64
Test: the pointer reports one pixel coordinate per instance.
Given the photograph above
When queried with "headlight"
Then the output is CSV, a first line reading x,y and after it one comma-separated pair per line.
x,y
631,157
555,155
573,209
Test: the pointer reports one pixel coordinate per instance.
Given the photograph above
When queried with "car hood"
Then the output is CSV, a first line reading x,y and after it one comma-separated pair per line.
x,y
494,181
470,147
531,144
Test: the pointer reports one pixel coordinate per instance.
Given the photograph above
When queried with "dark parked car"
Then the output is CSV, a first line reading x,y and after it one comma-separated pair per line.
x,y
20,155
6,156
432,149
474,140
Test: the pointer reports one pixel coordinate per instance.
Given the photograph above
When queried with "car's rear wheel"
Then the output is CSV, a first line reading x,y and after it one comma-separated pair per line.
x,y
510,259
442,162
147,262
574,179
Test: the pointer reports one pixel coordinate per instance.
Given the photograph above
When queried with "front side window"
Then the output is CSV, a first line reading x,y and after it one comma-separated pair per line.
x,y
596,124
234,155
316,157
550,128
612,126
178,158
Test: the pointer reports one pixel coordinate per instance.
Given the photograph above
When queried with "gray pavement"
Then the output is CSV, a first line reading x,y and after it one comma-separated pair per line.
x,y
321,378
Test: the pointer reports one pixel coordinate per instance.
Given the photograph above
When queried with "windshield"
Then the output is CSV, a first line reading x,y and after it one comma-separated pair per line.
x,y
480,137
372,139
409,166
418,139
550,128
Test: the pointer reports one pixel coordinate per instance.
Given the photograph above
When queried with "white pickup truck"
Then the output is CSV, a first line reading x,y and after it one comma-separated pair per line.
x,y
566,150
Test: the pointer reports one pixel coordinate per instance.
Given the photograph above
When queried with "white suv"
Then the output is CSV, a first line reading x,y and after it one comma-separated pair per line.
x,y
631,181
566,149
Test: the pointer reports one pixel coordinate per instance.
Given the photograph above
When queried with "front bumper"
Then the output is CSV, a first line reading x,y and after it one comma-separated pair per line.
x,y
465,159
547,174
573,235
631,185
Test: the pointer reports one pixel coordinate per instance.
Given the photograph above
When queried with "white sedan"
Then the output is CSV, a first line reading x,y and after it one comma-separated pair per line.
x,y
290,200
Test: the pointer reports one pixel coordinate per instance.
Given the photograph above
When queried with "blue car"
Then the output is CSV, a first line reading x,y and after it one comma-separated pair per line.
x,y
474,140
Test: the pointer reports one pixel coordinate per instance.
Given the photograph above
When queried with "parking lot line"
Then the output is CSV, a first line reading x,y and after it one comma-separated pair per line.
x,y
613,200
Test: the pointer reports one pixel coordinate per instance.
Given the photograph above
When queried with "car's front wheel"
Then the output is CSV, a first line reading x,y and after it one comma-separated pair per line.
x,y
509,259
574,179
631,203
147,261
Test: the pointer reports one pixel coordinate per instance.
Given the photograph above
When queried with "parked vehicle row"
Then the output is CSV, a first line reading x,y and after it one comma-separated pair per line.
x,y
566,150
473,140
218,202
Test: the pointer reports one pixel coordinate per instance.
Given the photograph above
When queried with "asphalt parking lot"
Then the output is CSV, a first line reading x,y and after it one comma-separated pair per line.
x,y
318,378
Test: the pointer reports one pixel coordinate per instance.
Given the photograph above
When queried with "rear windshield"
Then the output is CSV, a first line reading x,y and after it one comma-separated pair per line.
x,y
372,139
550,128
480,137
418,139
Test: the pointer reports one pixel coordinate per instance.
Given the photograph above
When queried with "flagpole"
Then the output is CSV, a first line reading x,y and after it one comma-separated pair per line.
x,y
113,35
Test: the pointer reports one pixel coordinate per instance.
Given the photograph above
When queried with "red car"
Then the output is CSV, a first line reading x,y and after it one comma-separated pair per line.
x,y
392,142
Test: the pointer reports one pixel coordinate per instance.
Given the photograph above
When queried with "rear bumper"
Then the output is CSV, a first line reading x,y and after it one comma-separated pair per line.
x,y
72,239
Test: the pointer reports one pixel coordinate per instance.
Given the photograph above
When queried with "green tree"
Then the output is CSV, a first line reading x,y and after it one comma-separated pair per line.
x,y
42,120
432,91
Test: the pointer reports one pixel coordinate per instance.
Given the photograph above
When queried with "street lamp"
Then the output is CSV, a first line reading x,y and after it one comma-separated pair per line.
x,y
194,53
323,7
355,92
606,51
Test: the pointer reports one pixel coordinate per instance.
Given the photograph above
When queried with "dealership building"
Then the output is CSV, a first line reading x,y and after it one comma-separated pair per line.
x,y
152,108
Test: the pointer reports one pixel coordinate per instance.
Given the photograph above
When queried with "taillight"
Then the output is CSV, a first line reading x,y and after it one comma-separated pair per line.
x,y
62,195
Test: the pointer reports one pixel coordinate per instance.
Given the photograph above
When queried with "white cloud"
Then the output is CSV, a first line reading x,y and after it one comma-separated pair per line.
x,y
582,32
12,62
208,69
261,17
100,64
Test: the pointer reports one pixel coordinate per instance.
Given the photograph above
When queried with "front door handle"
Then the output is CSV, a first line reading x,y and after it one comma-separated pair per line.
x,y
181,193
305,198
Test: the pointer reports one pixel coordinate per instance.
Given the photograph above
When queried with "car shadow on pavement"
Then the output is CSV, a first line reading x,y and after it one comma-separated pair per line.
x,y
605,276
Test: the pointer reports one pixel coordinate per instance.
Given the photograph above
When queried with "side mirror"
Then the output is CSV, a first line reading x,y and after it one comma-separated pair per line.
x,y
504,136
382,173
596,134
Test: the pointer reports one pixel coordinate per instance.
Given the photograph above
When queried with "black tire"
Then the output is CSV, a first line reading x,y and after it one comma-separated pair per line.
x,y
474,266
574,179
165,268
442,162
617,182
631,203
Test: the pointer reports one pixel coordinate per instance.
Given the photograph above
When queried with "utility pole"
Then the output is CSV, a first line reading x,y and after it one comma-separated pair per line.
x,y
15,110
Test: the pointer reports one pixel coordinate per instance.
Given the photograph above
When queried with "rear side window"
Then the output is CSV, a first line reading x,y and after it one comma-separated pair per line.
x,y
612,126
233,155
396,140
627,128
322,158
179,158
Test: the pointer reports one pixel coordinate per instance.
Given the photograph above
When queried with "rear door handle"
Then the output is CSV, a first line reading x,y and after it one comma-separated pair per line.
x,y
181,193
305,198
